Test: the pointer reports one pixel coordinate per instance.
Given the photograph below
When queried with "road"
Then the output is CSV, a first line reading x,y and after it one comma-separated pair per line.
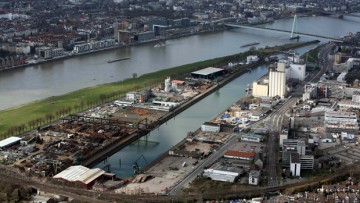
x,y
274,120
200,168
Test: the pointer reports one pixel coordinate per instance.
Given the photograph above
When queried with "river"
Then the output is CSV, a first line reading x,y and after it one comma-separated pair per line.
x,y
55,78
23,85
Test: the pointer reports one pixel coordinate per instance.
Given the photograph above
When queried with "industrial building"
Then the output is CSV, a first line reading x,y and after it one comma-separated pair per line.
x,y
254,177
223,173
240,155
297,71
210,127
310,91
341,121
8,142
80,176
252,59
261,87
251,138
208,73
277,81
138,97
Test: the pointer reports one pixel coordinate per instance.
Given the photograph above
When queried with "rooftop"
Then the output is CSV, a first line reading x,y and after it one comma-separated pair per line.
x,y
9,141
240,154
80,173
295,158
254,173
207,71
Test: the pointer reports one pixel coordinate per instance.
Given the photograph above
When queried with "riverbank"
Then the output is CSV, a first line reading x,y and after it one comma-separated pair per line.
x,y
68,56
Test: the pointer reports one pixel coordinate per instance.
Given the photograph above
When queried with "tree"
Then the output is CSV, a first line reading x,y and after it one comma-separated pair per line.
x,y
134,75
253,48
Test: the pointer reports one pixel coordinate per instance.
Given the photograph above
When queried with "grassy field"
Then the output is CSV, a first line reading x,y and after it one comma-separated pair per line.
x,y
29,116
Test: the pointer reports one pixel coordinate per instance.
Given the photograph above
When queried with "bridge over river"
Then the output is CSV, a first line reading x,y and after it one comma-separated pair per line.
x,y
282,31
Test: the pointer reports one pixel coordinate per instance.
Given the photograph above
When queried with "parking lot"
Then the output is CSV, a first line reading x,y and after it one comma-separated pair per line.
x,y
248,147
349,153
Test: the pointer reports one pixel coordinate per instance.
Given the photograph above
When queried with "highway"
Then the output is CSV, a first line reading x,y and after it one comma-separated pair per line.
x,y
200,168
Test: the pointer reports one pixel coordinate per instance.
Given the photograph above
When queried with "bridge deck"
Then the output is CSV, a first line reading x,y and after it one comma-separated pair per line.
x,y
282,31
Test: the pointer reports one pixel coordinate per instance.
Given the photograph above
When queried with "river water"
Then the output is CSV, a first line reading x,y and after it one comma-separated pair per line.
x,y
55,78
24,85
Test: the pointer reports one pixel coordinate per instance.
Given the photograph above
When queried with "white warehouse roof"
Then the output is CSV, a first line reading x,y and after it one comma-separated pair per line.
x,y
207,71
9,141
80,173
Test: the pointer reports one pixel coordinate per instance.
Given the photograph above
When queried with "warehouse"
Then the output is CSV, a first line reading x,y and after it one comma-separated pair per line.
x,y
208,73
8,142
210,127
251,138
220,172
80,176
240,155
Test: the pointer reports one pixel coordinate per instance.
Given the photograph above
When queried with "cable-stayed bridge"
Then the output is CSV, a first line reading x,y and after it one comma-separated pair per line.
x,y
233,25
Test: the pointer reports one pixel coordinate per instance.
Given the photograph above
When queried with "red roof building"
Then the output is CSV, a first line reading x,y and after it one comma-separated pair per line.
x,y
240,155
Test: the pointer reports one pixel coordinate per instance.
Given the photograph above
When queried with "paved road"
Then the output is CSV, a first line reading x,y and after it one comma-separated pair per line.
x,y
275,119
273,122
200,168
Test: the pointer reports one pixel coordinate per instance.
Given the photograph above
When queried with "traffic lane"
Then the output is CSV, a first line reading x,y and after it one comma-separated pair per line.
x,y
211,159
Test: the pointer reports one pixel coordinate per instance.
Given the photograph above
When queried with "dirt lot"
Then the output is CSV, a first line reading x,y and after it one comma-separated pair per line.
x,y
166,173
135,113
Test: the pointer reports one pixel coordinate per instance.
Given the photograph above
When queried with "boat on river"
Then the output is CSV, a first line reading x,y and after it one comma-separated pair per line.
x,y
115,60
161,44
249,44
